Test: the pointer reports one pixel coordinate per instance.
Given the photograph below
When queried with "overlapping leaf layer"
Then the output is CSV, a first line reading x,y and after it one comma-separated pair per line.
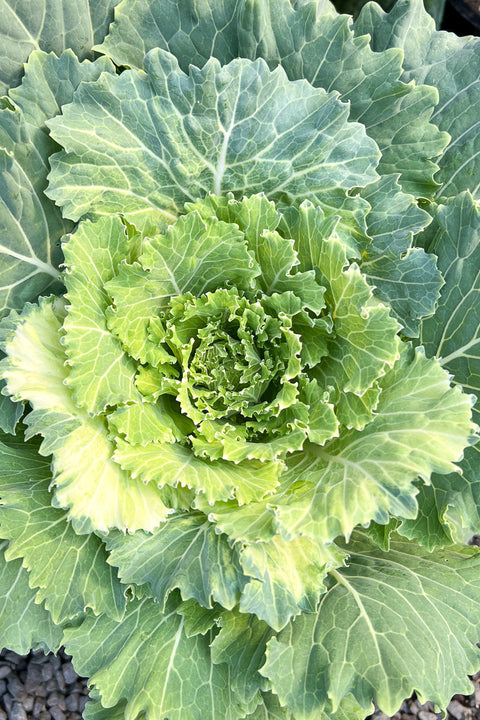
x,y
259,361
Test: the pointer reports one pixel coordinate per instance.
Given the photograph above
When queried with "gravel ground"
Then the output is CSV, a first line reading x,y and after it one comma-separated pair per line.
x,y
46,687
462,707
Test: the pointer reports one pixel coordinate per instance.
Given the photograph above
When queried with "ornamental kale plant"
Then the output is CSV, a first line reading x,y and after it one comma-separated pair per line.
x,y
240,285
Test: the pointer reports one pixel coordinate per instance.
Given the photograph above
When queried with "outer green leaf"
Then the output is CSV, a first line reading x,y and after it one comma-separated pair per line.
x,y
270,709
360,322
453,333
24,624
101,373
405,277
187,553
308,226
376,638
175,464
381,534
394,218
286,577
449,63
97,491
241,643
49,82
217,129
199,620
462,501
311,42
30,225
366,475
409,283
148,660
48,25
94,709
436,8
193,31
449,508
69,571
10,413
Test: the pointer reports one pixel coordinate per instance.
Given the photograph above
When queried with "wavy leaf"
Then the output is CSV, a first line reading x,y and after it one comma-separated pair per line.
x,y
148,660
193,32
449,63
238,128
174,464
376,638
68,572
186,553
30,225
50,25
366,475
98,493
24,624
453,333
286,577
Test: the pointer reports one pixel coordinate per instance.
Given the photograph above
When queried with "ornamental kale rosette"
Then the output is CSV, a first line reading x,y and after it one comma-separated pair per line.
x,y
235,372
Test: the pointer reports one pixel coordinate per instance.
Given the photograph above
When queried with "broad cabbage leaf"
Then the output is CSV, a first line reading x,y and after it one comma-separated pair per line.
x,y
239,350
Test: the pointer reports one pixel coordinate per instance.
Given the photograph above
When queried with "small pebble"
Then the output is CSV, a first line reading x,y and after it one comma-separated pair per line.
x,y
456,710
38,707
427,715
41,690
17,712
5,670
56,698
60,681
34,677
69,673
71,702
16,688
82,701
7,702
39,657
12,657
3,714
3,687
28,703
47,672
57,713
51,685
